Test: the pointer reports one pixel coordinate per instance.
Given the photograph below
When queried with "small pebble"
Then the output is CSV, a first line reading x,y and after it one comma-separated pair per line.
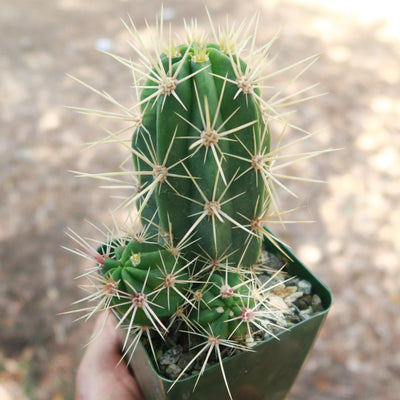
x,y
303,302
316,303
294,318
291,299
171,356
278,303
293,282
274,261
173,371
304,286
305,314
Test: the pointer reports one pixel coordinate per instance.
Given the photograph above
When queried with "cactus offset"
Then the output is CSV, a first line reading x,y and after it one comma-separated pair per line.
x,y
150,280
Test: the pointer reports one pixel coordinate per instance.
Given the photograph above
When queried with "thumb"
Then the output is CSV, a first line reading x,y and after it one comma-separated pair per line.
x,y
101,375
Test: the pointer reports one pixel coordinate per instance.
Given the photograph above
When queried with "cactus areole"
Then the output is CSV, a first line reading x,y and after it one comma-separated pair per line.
x,y
205,128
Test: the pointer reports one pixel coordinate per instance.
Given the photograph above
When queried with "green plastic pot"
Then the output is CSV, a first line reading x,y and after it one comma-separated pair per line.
x,y
268,373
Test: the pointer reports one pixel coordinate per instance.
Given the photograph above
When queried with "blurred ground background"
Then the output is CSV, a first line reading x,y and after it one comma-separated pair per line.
x,y
353,246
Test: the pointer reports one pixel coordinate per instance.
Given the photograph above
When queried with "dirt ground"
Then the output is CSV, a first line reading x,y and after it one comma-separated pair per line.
x,y
353,246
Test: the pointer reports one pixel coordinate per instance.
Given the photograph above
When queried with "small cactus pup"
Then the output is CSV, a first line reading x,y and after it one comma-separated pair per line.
x,y
207,173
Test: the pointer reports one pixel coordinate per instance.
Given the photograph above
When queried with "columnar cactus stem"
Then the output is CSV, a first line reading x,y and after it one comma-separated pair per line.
x,y
205,125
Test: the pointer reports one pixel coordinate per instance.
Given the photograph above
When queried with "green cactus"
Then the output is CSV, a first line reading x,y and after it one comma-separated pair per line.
x,y
201,149
150,282
202,127
224,304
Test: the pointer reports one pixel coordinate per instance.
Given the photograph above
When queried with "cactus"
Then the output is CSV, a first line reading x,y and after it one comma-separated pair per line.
x,y
150,279
201,149
204,126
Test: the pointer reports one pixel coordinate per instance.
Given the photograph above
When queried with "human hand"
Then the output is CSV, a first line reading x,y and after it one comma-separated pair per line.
x,y
99,375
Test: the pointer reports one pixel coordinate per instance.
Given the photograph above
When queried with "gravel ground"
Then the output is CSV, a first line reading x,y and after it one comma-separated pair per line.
x,y
353,246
